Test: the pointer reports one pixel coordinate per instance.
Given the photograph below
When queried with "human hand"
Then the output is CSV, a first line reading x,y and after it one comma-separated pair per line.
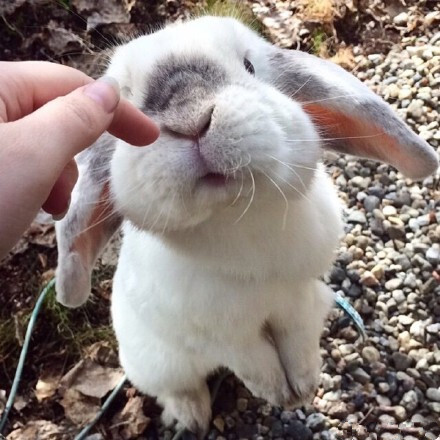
x,y
48,114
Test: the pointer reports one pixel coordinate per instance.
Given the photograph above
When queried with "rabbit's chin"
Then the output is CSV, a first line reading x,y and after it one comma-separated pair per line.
x,y
187,206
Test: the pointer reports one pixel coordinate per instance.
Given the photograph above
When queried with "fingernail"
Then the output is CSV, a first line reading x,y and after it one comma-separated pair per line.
x,y
105,92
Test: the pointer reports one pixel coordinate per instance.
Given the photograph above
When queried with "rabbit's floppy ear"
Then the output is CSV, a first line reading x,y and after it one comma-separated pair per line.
x,y
88,225
352,118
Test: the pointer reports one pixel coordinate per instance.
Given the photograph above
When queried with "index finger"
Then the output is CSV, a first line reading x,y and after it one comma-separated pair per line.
x,y
28,85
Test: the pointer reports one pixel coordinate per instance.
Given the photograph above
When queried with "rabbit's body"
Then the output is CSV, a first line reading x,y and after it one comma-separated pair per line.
x,y
187,303
230,221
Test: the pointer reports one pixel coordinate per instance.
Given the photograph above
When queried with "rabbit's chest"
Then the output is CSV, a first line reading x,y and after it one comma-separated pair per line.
x,y
153,294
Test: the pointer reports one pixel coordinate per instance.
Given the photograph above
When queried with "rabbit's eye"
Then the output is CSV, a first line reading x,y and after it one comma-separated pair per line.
x,y
249,66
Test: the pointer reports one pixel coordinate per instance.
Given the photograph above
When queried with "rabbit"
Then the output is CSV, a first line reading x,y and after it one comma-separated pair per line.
x,y
229,220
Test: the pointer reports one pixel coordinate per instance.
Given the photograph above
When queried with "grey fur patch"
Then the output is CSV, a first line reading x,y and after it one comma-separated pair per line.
x,y
177,80
293,79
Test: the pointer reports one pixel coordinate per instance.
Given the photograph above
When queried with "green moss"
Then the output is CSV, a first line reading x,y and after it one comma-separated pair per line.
x,y
230,8
58,332
74,328
318,39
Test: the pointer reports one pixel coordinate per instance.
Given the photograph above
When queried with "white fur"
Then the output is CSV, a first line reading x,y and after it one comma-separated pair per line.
x,y
202,273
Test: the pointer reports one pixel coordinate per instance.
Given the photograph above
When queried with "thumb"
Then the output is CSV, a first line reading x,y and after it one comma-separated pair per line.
x,y
68,124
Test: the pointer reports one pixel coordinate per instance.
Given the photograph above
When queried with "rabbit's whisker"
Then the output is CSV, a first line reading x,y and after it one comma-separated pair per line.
x,y
252,197
109,212
291,169
299,89
293,187
369,136
301,166
240,190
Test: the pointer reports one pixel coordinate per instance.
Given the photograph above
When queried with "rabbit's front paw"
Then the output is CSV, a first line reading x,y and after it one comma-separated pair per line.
x,y
276,390
303,377
293,385
191,409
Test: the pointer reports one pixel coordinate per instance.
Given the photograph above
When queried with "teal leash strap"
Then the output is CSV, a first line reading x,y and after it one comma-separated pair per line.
x,y
19,371
23,355
351,312
82,435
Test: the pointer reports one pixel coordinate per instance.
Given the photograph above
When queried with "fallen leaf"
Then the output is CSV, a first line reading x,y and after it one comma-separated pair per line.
x,y
80,409
41,234
46,387
132,419
91,379
103,11
38,429
103,354
20,402
61,40
345,58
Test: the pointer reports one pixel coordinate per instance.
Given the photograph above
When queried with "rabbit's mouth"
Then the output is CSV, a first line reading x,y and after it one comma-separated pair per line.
x,y
214,179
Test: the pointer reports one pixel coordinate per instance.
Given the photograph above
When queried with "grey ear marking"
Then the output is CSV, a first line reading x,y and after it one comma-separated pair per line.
x,y
359,121
88,225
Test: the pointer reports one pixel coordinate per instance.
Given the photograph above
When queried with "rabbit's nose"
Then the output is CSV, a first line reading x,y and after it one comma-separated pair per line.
x,y
191,128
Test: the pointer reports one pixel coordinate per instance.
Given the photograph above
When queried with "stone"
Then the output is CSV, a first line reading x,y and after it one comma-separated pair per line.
x,y
277,429
415,109
399,296
389,210
337,275
433,394
368,279
428,286
405,320
401,19
219,423
400,413
316,422
405,93
410,400
338,411
298,431
401,361
390,436
433,329
378,271
370,354
357,217
371,203
361,376
433,254
393,284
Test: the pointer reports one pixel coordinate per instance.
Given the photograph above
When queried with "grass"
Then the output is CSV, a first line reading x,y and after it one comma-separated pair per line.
x,y
74,327
319,38
59,333
230,8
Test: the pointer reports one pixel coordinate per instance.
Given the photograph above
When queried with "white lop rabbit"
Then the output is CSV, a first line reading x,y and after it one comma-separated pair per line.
x,y
228,218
